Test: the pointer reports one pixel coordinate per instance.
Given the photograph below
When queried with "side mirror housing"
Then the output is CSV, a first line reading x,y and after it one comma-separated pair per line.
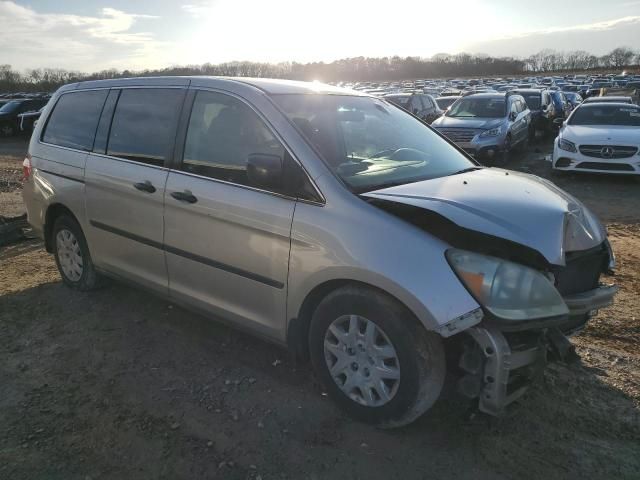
x,y
512,116
265,170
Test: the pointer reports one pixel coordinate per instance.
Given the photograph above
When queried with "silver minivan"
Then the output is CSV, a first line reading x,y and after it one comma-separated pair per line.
x,y
323,219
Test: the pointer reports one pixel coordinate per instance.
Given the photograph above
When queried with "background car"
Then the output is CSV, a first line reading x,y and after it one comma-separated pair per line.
x,y
609,99
599,137
560,103
27,120
543,110
421,105
487,125
9,114
573,98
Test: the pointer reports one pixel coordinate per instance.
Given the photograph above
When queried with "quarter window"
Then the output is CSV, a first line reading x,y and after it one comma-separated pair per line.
x,y
223,132
74,119
144,124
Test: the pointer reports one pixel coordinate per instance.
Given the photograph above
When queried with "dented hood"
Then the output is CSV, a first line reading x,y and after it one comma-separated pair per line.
x,y
515,206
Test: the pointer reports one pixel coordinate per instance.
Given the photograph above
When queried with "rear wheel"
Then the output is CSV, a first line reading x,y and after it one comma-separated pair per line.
x,y
72,255
374,358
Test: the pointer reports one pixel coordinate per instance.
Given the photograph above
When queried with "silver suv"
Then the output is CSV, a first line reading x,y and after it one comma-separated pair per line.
x,y
329,221
488,125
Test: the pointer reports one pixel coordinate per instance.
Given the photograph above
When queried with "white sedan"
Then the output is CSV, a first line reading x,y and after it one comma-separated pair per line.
x,y
600,137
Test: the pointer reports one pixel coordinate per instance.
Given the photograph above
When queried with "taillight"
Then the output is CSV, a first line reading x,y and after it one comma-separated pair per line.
x,y
26,168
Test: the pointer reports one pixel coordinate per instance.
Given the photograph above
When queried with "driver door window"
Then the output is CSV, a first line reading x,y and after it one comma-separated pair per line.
x,y
223,132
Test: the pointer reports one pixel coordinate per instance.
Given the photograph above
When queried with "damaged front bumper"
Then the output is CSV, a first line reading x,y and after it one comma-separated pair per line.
x,y
499,366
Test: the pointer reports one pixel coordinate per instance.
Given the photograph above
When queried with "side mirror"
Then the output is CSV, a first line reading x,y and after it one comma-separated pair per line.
x,y
265,170
512,116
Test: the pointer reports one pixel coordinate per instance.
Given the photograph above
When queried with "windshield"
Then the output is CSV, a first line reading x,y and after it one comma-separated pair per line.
x,y
10,107
478,107
369,143
532,100
445,102
606,115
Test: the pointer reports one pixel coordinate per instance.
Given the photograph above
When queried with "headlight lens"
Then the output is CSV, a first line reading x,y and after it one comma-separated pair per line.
x,y
494,132
508,290
566,145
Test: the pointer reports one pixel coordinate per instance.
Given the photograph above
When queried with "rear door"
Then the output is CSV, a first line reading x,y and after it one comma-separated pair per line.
x,y
227,240
125,180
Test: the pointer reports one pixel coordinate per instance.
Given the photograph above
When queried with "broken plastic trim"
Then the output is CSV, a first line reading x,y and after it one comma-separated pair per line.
x,y
461,323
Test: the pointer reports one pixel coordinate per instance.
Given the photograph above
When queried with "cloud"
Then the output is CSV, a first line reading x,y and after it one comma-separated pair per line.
x,y
86,43
597,38
598,26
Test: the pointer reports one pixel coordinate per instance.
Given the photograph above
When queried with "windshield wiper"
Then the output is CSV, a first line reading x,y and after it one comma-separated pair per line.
x,y
465,170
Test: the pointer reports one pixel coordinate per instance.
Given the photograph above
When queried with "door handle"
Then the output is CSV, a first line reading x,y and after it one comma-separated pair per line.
x,y
145,186
185,196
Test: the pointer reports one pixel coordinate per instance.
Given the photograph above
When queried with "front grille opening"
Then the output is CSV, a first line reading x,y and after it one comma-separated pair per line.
x,y
563,162
610,151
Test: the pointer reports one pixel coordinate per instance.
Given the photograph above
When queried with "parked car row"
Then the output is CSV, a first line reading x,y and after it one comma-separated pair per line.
x,y
584,85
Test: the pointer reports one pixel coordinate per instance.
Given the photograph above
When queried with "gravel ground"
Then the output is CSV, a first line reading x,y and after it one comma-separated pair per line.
x,y
120,384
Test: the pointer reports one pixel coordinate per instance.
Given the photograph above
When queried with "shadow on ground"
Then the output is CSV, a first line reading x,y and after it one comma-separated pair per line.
x,y
120,384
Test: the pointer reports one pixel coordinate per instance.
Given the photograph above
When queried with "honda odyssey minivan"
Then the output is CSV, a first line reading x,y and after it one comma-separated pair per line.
x,y
326,220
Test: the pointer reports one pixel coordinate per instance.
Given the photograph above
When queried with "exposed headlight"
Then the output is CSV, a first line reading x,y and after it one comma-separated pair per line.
x,y
566,145
494,132
508,290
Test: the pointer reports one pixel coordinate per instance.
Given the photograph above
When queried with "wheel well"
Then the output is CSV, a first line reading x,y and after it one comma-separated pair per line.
x,y
298,328
53,212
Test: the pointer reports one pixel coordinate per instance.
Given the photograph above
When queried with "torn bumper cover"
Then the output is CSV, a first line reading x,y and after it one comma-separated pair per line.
x,y
585,302
500,366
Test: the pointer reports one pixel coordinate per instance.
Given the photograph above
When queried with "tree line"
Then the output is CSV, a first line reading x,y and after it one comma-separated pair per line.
x,y
395,68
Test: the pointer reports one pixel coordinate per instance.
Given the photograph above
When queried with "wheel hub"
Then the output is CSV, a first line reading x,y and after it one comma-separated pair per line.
x,y
69,254
362,360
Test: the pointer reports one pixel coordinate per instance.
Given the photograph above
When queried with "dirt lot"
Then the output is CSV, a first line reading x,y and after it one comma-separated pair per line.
x,y
119,384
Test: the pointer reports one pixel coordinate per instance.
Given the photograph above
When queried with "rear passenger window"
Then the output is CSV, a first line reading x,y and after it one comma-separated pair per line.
x,y
144,124
223,132
74,119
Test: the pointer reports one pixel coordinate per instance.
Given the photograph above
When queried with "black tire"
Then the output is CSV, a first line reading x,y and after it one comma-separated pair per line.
x,y
420,355
504,154
7,130
89,279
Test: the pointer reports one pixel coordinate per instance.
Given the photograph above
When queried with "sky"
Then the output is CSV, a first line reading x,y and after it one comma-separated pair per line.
x,y
91,35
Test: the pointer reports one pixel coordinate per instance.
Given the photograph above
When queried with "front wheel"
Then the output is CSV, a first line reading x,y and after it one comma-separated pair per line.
x,y
374,358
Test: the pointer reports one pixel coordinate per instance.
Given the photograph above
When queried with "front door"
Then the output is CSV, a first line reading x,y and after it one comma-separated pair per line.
x,y
227,240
